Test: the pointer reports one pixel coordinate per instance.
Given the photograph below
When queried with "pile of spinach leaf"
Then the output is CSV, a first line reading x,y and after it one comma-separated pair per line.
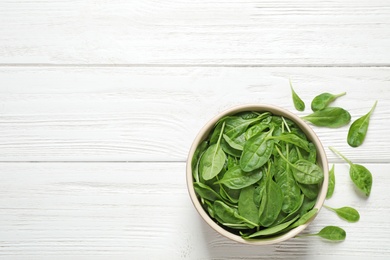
x,y
256,174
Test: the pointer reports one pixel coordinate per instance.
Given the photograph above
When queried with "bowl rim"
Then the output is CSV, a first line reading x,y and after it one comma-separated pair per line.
x,y
275,110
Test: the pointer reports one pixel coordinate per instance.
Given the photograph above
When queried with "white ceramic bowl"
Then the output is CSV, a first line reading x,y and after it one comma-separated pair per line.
x,y
321,160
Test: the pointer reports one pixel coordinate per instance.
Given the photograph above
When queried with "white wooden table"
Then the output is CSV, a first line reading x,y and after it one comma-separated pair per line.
x,y
100,102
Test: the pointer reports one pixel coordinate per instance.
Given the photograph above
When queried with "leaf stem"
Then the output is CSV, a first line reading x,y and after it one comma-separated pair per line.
x,y
307,235
220,135
373,107
285,123
341,155
284,158
341,94
329,208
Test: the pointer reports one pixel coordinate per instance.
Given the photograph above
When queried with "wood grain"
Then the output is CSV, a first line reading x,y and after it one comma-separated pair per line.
x,y
143,211
202,32
153,114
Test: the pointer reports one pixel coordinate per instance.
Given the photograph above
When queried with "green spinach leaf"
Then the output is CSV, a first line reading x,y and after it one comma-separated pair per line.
x,y
358,130
360,175
333,117
236,178
323,100
332,233
347,213
332,183
298,102
213,159
257,152
271,203
246,205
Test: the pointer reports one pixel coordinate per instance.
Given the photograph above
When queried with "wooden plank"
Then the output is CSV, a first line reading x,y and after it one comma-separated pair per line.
x,y
195,32
143,211
153,114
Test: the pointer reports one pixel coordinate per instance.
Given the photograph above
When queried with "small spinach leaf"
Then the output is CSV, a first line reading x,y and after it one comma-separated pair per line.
x,y
298,102
347,213
359,174
333,117
332,183
332,233
358,130
323,100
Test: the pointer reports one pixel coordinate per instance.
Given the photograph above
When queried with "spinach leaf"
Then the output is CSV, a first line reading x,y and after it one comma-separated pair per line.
x,y
257,152
229,150
332,183
304,171
347,213
307,205
358,130
206,192
232,143
309,190
236,178
230,196
229,215
332,233
259,190
291,193
360,175
196,159
333,117
246,205
298,102
305,218
293,139
256,129
323,100
235,125
213,159
271,203
272,230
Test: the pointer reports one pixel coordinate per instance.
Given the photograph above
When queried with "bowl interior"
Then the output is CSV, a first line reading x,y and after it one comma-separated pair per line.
x,y
321,160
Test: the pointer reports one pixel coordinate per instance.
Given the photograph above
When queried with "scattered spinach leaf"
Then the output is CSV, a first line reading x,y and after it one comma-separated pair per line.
x,y
359,174
332,233
323,100
358,130
332,183
347,213
333,117
298,102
